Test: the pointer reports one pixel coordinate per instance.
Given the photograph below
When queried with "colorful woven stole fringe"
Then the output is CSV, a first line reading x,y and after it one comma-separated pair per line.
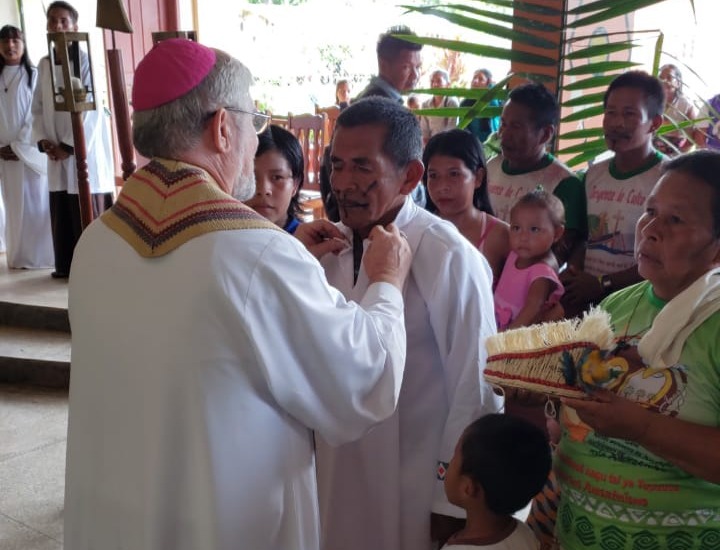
x,y
167,203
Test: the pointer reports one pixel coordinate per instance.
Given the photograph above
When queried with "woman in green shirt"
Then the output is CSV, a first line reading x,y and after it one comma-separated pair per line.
x,y
638,464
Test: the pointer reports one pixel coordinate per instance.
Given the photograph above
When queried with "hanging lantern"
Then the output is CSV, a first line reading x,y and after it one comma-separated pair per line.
x,y
73,93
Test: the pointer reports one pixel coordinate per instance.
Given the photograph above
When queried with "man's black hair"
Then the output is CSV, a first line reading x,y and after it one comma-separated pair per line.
x,y
60,4
403,137
539,101
649,85
389,46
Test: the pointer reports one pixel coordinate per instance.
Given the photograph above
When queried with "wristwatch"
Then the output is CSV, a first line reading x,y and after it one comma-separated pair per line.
x,y
605,282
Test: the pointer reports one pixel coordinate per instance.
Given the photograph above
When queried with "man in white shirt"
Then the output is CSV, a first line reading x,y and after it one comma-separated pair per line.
x,y
206,342
384,491
52,131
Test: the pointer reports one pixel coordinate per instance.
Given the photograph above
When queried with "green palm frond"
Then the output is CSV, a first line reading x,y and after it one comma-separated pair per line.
x,y
584,70
585,99
482,50
468,22
606,10
21,15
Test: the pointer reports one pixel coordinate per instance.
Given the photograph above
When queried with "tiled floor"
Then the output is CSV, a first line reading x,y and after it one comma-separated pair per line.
x,y
33,431
31,286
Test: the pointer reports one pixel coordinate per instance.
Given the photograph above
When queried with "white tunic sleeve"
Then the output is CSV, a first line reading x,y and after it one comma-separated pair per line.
x,y
320,353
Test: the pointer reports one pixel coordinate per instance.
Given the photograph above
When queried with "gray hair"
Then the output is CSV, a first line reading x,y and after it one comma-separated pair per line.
x,y
175,127
443,73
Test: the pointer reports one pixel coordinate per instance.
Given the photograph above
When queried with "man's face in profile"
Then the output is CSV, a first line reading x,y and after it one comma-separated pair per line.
x,y
242,152
403,71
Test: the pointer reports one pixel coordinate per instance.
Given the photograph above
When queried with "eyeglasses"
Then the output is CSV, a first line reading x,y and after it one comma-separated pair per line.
x,y
260,121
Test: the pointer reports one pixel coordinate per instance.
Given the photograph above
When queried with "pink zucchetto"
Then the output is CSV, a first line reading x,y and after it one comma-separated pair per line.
x,y
170,70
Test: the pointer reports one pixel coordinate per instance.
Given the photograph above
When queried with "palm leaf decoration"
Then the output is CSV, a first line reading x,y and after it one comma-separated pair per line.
x,y
584,58
21,15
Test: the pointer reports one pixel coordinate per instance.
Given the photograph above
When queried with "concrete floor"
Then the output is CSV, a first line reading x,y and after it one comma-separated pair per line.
x,y
33,432
31,286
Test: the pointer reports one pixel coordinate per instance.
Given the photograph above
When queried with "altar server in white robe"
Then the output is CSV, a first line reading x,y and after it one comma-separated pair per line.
x,y
22,166
52,131
384,491
206,341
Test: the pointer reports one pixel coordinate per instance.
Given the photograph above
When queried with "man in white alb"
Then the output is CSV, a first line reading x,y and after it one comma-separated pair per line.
x,y
385,491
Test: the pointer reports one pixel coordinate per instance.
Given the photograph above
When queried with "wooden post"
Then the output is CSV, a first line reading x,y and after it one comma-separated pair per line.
x,y
86,212
122,113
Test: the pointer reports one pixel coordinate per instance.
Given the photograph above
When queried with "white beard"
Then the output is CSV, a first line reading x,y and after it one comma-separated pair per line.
x,y
244,187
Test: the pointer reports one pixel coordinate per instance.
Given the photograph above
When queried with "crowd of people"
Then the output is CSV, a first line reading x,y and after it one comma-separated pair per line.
x,y
256,381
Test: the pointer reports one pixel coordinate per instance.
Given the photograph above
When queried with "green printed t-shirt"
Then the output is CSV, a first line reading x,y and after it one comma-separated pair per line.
x,y
506,186
616,495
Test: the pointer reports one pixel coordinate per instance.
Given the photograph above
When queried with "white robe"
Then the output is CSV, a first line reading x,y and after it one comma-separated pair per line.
x,y
196,380
24,184
2,219
56,126
378,493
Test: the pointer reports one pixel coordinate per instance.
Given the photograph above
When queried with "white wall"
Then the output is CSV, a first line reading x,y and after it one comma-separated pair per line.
x,y
690,42
8,13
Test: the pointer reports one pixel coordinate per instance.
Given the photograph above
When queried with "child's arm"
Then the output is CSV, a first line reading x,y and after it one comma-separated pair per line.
x,y
537,296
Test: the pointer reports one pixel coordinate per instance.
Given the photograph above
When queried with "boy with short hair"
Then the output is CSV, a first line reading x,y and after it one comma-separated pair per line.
x,y
500,463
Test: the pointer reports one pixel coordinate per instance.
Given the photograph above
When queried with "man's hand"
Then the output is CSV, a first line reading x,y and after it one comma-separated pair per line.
x,y
49,148
321,237
60,153
6,153
388,256
581,289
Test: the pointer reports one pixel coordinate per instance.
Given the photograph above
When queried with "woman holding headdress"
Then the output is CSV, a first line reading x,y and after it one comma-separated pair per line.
x,y
638,463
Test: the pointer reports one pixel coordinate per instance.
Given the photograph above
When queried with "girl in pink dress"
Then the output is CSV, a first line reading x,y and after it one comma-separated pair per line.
x,y
529,284
456,182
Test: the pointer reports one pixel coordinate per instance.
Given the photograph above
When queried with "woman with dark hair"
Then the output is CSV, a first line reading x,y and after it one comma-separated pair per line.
x,y
456,181
279,175
342,94
482,127
678,109
22,166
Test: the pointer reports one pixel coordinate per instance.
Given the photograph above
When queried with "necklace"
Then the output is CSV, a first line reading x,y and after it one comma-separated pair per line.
x,y
13,78
623,342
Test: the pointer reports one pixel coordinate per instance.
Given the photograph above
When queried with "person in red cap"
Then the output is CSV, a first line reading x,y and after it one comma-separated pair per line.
x,y
52,131
219,345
